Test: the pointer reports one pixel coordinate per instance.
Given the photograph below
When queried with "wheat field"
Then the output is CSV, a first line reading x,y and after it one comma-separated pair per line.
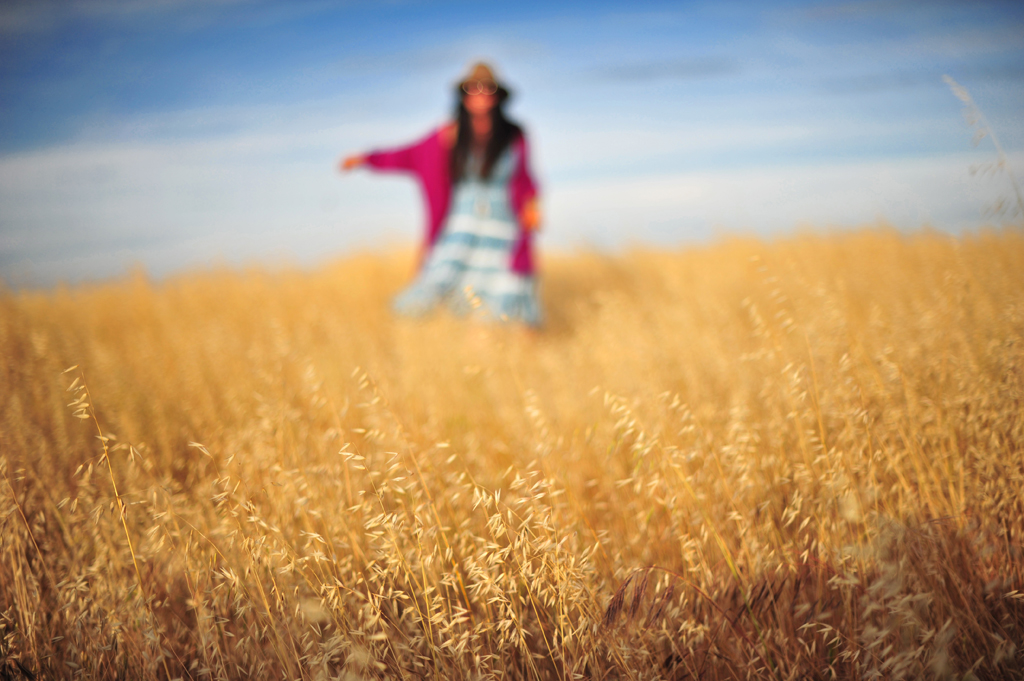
x,y
781,460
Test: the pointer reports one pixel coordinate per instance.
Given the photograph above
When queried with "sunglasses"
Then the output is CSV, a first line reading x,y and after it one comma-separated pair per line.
x,y
480,87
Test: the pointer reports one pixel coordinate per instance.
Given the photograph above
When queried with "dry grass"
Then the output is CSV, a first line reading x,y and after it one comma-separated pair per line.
x,y
792,460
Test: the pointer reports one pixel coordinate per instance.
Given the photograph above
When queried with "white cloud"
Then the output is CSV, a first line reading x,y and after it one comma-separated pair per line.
x,y
93,210
685,207
171,205
583,144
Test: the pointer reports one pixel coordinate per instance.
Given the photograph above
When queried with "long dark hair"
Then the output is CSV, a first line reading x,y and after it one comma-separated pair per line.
x,y
503,133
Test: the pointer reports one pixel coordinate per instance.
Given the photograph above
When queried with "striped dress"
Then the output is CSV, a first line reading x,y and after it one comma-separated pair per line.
x,y
469,269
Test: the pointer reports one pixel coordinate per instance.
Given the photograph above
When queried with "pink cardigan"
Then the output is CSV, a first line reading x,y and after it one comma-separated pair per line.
x,y
428,161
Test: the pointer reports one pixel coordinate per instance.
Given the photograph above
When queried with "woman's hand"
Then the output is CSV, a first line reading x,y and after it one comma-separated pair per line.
x,y
350,162
530,216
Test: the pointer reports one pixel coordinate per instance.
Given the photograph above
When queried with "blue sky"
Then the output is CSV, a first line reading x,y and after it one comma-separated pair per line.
x,y
174,134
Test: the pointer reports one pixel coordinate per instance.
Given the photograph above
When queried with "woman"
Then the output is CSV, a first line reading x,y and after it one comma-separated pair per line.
x,y
482,209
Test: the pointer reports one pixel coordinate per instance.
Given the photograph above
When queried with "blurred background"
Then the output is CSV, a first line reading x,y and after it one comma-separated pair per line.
x,y
173,134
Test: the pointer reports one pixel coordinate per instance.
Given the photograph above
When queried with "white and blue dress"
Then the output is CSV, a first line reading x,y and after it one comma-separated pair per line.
x,y
469,268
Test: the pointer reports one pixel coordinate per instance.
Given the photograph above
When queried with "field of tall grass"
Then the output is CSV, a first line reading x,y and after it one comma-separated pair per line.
x,y
781,460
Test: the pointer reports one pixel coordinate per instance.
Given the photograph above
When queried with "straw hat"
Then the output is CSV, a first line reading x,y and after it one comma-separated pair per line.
x,y
479,73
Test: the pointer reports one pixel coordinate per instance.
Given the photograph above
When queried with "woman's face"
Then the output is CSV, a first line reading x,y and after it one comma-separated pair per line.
x,y
479,103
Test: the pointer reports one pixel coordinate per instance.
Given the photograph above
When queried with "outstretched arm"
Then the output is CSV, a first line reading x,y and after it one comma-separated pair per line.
x,y
403,158
411,158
